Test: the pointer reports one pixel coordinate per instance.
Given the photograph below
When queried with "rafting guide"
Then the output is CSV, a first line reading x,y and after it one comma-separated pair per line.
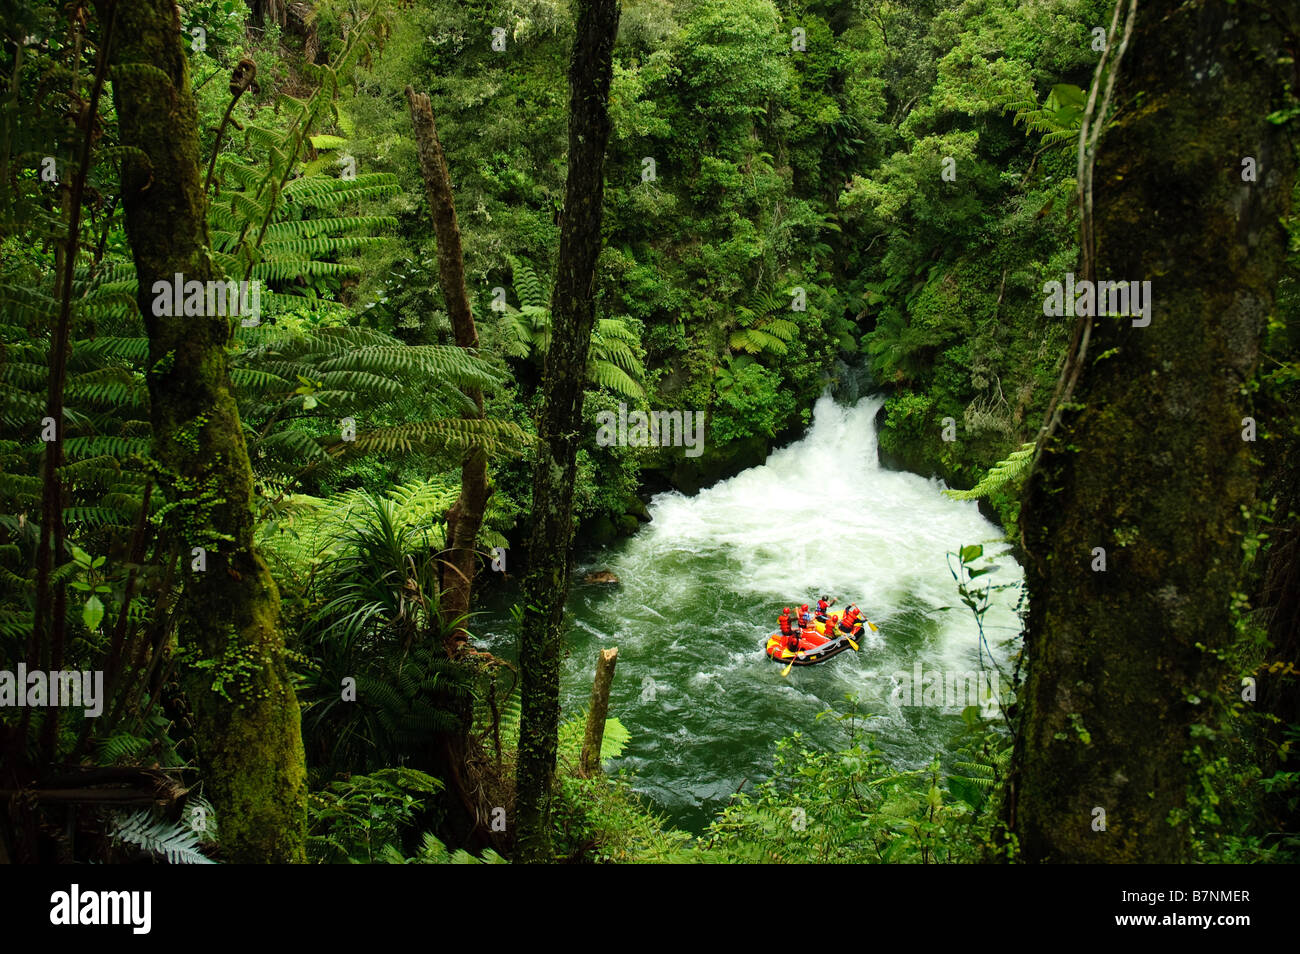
x,y
656,429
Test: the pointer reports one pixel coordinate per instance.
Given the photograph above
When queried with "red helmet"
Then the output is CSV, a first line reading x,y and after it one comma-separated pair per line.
x,y
786,611
804,607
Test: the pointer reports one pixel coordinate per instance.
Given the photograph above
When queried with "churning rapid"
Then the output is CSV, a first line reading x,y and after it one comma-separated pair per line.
x,y
703,583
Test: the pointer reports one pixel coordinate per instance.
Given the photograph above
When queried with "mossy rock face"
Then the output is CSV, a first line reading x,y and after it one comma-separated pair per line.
x,y
627,524
599,530
896,454
636,507
959,463
690,475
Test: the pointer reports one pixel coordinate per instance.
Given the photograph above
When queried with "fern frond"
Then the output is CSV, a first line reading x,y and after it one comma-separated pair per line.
x,y
450,433
1004,472
756,341
608,375
172,840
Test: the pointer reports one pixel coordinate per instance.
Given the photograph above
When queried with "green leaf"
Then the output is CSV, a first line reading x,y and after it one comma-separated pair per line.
x,y
971,552
328,142
92,613
1068,95
615,738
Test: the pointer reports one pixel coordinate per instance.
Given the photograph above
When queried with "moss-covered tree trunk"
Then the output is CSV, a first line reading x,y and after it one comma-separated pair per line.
x,y
249,734
1149,462
465,518
459,557
546,584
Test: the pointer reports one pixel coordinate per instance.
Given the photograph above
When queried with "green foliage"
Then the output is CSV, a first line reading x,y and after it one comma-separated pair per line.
x,y
1058,121
1005,480
966,569
175,842
296,386
762,328
750,401
613,362
434,852
365,818
381,686
847,807
602,819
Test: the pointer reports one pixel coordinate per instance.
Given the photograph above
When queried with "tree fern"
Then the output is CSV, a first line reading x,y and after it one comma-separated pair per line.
x,y
760,325
1057,121
300,384
528,287
613,362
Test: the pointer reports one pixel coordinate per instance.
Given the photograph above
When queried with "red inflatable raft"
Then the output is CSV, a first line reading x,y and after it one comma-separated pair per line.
x,y
813,647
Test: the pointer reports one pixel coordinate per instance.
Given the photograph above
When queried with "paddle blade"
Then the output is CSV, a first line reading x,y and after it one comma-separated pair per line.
x,y
853,644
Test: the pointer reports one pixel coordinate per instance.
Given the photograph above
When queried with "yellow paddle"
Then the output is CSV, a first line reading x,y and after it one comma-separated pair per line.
x,y
874,629
785,652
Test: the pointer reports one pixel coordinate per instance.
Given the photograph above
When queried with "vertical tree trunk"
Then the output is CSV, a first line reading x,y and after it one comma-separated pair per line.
x,y
597,712
459,557
550,561
466,516
1150,464
250,745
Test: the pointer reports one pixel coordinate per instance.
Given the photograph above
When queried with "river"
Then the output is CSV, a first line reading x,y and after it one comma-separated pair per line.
x,y
703,583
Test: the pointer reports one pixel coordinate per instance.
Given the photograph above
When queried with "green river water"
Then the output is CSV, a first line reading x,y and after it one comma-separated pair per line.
x,y
702,585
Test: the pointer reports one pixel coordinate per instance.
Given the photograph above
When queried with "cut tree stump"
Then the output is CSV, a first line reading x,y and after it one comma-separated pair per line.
x,y
589,763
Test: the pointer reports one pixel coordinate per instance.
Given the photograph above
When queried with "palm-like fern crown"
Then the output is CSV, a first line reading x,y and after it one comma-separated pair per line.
x,y
1057,120
613,362
317,378
293,234
763,325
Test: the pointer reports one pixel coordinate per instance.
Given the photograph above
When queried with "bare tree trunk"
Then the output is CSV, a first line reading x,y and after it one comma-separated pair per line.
x,y
465,518
249,734
550,558
1149,462
598,712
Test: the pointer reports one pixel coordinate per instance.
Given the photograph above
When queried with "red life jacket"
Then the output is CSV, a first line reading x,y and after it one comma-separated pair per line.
x,y
822,607
784,622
